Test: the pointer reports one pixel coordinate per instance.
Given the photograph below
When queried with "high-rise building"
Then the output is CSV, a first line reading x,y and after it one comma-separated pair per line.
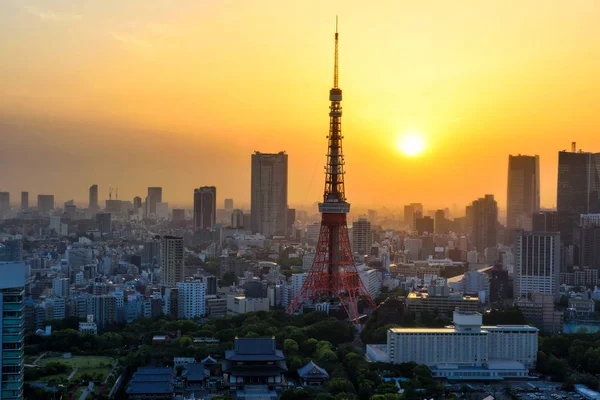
x,y
4,202
104,222
104,310
269,192
485,223
12,292
172,260
154,197
191,299
60,287
362,237
24,200
537,263
290,220
137,203
205,207
162,210
545,221
523,194
237,219
577,191
93,205
424,225
228,204
45,202
412,211
440,221
587,239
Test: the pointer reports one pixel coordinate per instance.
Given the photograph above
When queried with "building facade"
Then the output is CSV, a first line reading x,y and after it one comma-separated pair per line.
x,y
537,263
12,292
484,214
205,207
523,195
467,349
93,203
154,197
192,299
268,193
171,254
362,237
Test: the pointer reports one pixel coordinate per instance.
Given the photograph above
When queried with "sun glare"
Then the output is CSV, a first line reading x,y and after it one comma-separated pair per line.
x,y
411,144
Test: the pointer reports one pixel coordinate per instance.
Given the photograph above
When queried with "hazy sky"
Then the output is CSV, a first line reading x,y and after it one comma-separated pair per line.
x,y
138,93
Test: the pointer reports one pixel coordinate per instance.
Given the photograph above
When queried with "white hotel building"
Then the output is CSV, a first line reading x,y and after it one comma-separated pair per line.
x,y
467,350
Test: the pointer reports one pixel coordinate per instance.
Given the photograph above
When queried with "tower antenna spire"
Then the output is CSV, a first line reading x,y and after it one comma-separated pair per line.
x,y
335,64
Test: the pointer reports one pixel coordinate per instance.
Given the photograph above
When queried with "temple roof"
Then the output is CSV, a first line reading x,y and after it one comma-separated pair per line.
x,y
312,370
254,349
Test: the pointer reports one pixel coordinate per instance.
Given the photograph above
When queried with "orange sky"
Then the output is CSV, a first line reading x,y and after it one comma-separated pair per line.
x,y
140,93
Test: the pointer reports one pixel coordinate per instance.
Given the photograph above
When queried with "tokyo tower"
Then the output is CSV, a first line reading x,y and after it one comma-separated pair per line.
x,y
333,275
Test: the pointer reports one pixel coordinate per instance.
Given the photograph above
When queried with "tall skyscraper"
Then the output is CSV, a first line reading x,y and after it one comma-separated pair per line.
x,y
154,197
362,237
205,207
440,222
12,292
228,204
587,239
485,223
4,202
577,191
237,219
268,194
24,200
545,221
137,203
412,211
523,194
537,263
93,198
45,202
171,253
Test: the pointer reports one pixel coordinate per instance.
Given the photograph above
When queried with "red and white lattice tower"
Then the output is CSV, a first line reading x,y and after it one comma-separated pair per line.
x,y
333,275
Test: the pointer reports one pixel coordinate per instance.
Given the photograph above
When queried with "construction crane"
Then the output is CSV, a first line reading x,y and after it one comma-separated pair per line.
x,y
110,190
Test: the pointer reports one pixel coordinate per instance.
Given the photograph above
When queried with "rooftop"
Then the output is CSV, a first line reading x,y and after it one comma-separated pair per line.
x,y
452,296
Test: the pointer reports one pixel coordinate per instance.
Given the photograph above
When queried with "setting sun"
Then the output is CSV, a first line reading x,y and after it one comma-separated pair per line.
x,y
411,144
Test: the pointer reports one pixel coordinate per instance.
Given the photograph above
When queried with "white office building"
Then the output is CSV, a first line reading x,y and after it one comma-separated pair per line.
x,y
60,287
191,299
467,349
297,281
537,263
307,260
370,280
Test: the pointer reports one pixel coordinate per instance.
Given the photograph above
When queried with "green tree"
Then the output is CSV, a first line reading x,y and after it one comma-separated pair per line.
x,y
290,346
340,385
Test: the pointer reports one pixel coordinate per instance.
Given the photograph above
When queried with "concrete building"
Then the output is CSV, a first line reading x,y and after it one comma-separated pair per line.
x,y
444,303
537,263
104,222
192,299
424,225
307,260
412,211
172,263
237,219
89,327
60,287
467,350
475,282
370,280
24,201
412,248
4,202
539,310
45,202
577,191
362,237
484,213
523,195
154,197
93,203
162,210
137,204
269,192
297,281
104,310
205,207
12,292
241,304
228,204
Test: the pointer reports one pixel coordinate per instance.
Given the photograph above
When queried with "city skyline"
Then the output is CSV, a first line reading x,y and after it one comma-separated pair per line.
x,y
436,80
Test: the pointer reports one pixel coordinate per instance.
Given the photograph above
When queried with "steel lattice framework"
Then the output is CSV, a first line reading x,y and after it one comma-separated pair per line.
x,y
333,274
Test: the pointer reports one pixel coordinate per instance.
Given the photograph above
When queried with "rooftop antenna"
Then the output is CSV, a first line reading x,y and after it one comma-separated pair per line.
x,y
335,63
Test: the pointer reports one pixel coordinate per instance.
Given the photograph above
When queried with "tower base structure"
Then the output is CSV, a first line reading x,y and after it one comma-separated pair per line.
x,y
333,275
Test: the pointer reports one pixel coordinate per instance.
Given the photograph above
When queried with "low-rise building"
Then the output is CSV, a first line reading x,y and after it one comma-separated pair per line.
x,y
242,304
467,349
152,383
417,302
89,327
312,375
539,311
